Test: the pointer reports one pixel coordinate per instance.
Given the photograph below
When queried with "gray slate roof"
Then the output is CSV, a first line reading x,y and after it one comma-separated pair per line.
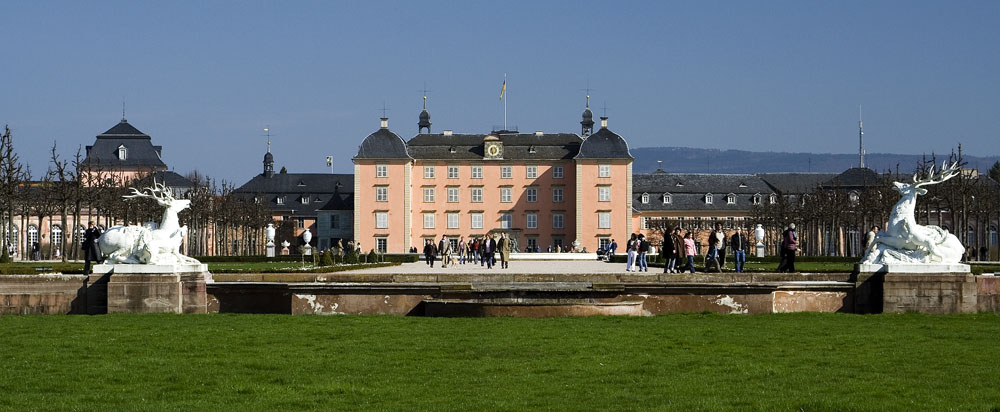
x,y
141,153
519,146
167,178
383,144
604,144
693,188
795,183
321,188
854,178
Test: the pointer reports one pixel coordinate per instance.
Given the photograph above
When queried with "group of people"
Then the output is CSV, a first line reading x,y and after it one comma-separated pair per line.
x,y
482,250
678,249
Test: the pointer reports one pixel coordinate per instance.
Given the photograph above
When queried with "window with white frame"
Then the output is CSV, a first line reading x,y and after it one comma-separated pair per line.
x,y
531,194
428,172
557,172
453,172
476,220
381,220
604,194
381,244
506,172
32,235
477,172
381,194
730,199
428,221
280,200
506,195
57,234
557,194
668,198
531,220
452,195
773,198
429,194
708,198
477,194
756,199
305,199
557,221
531,172
381,171
645,198
122,152
453,221
604,220
604,171
506,220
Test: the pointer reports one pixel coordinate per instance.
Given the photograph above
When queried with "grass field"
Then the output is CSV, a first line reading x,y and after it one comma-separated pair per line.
x,y
811,362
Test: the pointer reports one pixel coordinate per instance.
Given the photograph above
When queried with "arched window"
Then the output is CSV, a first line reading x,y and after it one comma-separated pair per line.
x,y
708,198
773,198
12,237
756,199
122,152
993,236
645,198
56,235
32,235
972,236
853,196
667,199
731,199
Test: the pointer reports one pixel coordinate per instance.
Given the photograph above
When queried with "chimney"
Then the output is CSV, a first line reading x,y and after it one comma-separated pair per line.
x,y
385,122
446,132
604,122
539,133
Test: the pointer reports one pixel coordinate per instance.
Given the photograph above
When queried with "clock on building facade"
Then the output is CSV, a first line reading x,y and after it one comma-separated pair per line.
x,y
493,147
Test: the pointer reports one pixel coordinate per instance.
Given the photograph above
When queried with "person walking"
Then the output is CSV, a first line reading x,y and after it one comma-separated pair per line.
x,y
489,250
870,237
461,250
504,248
667,252
632,250
444,248
429,252
738,244
690,249
680,255
643,251
91,253
721,246
789,244
613,248
712,258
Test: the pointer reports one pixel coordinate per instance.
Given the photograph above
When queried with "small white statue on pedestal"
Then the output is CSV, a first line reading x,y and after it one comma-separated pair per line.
x,y
284,247
758,233
904,241
306,238
269,232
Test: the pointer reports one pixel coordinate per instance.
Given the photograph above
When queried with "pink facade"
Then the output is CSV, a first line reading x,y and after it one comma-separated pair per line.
x,y
534,187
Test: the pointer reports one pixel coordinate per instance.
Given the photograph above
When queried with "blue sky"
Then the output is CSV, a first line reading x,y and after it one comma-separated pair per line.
x,y
204,78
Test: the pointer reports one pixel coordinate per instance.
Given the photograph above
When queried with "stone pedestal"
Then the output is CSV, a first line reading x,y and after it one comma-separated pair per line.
x,y
760,250
155,288
924,288
270,249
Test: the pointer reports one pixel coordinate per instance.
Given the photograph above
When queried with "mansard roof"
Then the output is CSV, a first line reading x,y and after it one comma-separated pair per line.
x,y
516,146
604,144
141,154
795,183
702,183
383,144
299,183
166,178
855,177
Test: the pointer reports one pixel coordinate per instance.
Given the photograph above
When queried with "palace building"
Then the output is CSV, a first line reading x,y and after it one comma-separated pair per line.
x,y
544,190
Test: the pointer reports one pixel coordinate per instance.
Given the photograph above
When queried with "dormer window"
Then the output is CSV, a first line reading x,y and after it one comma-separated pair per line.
x,y
667,199
122,152
679,184
305,199
280,200
756,199
743,184
708,198
645,198
301,183
853,196
773,198
452,150
531,149
731,199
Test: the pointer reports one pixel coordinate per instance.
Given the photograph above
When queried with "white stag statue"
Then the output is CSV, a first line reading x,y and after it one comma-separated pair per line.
x,y
142,245
903,240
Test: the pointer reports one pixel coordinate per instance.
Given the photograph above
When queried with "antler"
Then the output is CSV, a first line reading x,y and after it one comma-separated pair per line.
x,y
158,192
947,171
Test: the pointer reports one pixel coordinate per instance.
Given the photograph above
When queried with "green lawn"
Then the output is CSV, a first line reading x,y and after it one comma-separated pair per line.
x,y
811,362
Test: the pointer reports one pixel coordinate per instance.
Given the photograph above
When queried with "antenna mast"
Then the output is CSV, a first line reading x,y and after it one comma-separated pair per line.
x,y
861,140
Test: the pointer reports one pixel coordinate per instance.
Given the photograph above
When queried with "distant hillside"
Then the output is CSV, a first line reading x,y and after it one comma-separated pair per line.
x,y
691,160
